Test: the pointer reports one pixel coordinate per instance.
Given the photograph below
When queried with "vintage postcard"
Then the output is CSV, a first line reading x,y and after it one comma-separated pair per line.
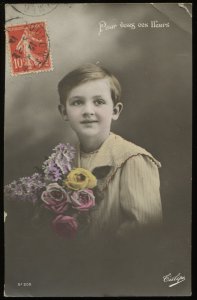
x,y
98,149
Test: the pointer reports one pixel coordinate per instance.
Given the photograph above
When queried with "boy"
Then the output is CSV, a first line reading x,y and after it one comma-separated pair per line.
x,y
90,99
97,262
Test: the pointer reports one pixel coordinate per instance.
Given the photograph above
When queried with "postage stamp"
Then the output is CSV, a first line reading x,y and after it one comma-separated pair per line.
x,y
29,48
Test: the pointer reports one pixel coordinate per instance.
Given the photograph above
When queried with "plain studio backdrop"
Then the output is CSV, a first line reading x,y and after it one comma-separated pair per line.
x,y
153,65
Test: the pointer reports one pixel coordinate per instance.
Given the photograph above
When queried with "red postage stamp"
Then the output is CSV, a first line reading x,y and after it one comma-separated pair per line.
x,y
29,48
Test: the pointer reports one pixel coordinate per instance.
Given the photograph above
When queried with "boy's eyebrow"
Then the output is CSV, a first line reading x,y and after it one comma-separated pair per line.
x,y
97,96
76,97
81,97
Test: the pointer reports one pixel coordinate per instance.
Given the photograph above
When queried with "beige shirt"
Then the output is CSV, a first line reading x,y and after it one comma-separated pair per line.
x,y
129,180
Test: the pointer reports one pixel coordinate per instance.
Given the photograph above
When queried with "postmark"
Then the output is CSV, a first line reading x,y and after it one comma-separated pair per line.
x,y
29,48
34,9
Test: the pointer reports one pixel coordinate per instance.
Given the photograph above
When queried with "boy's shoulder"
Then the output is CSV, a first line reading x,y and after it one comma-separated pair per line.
x,y
120,149
112,155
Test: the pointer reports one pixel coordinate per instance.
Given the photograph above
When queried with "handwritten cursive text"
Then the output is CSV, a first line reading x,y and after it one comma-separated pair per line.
x,y
173,280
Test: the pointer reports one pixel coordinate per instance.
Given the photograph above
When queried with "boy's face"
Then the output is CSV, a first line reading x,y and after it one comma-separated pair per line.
x,y
90,109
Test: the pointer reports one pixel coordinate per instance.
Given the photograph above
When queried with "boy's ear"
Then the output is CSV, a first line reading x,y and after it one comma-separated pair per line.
x,y
117,110
62,110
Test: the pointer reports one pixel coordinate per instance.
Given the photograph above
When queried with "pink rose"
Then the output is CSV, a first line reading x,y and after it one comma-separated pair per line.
x,y
83,200
65,226
55,198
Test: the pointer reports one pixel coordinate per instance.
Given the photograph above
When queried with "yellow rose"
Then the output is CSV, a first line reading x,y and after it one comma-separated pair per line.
x,y
79,179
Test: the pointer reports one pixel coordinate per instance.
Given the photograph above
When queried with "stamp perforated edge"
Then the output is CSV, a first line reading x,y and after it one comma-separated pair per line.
x,y
8,50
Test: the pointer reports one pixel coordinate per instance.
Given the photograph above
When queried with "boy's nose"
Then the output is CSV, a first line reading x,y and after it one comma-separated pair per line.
x,y
88,109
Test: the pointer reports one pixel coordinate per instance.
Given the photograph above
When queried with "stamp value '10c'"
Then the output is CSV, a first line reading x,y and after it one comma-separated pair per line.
x,y
29,48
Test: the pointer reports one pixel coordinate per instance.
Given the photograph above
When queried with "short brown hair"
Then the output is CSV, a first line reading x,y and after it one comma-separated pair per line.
x,y
87,73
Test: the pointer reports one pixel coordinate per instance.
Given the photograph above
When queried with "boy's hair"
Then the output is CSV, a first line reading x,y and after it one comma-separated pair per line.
x,y
84,74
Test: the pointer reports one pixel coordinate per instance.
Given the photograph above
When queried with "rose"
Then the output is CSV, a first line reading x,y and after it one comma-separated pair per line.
x,y
82,200
65,226
79,179
55,198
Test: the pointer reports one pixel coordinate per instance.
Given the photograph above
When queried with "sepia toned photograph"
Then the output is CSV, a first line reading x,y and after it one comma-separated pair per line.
x,y
98,149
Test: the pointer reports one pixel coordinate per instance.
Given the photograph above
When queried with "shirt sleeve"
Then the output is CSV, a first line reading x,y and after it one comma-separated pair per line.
x,y
140,192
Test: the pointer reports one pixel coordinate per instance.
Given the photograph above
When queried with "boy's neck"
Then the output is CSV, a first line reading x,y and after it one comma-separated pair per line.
x,y
91,144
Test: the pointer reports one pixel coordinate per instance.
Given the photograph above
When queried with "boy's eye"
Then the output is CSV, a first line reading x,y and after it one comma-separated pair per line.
x,y
99,101
76,103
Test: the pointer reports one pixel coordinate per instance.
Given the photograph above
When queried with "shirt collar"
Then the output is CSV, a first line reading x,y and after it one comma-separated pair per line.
x,y
114,151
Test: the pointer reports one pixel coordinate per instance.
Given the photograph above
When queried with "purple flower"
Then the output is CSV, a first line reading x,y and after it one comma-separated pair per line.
x,y
26,188
59,163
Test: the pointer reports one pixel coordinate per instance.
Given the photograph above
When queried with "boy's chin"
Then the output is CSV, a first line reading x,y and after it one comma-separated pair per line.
x,y
90,132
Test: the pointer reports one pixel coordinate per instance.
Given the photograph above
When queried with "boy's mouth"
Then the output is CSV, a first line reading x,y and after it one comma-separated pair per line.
x,y
88,121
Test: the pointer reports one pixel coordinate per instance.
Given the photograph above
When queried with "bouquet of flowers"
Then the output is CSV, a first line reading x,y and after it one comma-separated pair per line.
x,y
65,191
